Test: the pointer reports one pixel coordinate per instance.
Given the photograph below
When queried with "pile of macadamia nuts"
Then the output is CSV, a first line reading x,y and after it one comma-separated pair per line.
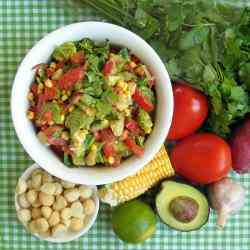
x,y
49,206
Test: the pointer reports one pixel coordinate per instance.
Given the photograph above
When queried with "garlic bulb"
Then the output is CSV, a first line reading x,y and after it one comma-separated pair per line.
x,y
226,197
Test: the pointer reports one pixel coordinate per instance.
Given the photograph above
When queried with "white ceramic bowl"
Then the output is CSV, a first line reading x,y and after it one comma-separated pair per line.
x,y
68,236
41,52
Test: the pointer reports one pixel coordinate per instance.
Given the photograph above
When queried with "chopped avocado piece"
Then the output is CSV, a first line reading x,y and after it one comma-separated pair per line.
x,y
78,119
182,206
103,109
140,140
64,51
144,121
133,221
117,126
100,124
66,160
56,111
92,155
78,147
88,100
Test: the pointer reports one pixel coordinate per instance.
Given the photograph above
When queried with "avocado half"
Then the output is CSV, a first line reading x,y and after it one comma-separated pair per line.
x,y
196,207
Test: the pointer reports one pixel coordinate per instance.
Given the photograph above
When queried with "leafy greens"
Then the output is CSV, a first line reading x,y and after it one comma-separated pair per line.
x,y
206,43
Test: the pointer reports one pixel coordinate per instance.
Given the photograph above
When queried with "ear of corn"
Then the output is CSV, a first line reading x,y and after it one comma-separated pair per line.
x,y
133,186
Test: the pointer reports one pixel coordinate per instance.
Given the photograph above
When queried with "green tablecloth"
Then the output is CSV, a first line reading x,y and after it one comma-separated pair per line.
x,y
22,23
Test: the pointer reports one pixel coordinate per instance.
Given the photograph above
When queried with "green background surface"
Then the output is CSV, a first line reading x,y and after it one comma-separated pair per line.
x,y
22,24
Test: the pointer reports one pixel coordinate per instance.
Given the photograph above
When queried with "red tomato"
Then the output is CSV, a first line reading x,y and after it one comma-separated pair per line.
x,y
50,72
142,101
137,150
106,135
78,58
69,79
34,88
108,67
52,139
133,126
47,116
190,111
202,158
108,149
49,93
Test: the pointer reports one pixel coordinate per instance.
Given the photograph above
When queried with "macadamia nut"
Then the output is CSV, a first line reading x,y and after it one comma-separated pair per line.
x,y
89,206
36,213
60,203
71,194
31,196
66,213
21,186
24,215
42,225
76,224
22,201
67,184
77,209
54,218
46,199
59,188
58,230
36,181
48,188
85,192
46,212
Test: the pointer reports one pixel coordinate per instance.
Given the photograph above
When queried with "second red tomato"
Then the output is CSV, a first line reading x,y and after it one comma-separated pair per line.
x,y
190,110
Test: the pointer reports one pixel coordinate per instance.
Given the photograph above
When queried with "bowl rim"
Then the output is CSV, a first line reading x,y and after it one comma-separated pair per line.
x,y
103,179
24,176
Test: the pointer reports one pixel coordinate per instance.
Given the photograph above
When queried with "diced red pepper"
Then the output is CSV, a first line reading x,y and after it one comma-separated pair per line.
x,y
137,150
108,149
142,101
106,135
50,72
97,136
49,93
34,88
108,67
124,135
78,58
47,116
71,77
133,126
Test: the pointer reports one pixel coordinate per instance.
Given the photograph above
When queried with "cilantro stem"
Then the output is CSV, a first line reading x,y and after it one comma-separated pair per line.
x,y
197,25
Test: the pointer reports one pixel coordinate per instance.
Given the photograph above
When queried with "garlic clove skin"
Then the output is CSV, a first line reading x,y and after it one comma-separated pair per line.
x,y
226,197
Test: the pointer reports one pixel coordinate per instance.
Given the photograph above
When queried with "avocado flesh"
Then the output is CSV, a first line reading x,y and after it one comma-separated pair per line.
x,y
171,190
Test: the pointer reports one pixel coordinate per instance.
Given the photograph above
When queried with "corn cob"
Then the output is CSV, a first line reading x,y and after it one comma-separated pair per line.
x,y
133,186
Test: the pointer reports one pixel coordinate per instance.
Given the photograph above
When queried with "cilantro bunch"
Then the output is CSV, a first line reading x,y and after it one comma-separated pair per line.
x,y
206,43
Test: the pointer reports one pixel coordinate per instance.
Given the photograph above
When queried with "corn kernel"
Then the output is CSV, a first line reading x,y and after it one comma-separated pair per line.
x,y
40,88
127,112
121,83
48,83
51,123
63,92
111,160
65,135
62,117
31,115
93,147
140,70
71,108
132,64
64,98
30,96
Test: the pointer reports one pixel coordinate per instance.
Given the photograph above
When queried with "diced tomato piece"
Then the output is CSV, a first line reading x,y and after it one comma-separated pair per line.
x,y
108,149
106,135
97,136
108,67
50,72
34,88
124,135
142,101
137,150
133,126
47,116
71,77
78,58
49,93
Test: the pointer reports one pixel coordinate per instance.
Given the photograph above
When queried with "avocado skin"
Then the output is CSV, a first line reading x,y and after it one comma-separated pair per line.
x,y
184,186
